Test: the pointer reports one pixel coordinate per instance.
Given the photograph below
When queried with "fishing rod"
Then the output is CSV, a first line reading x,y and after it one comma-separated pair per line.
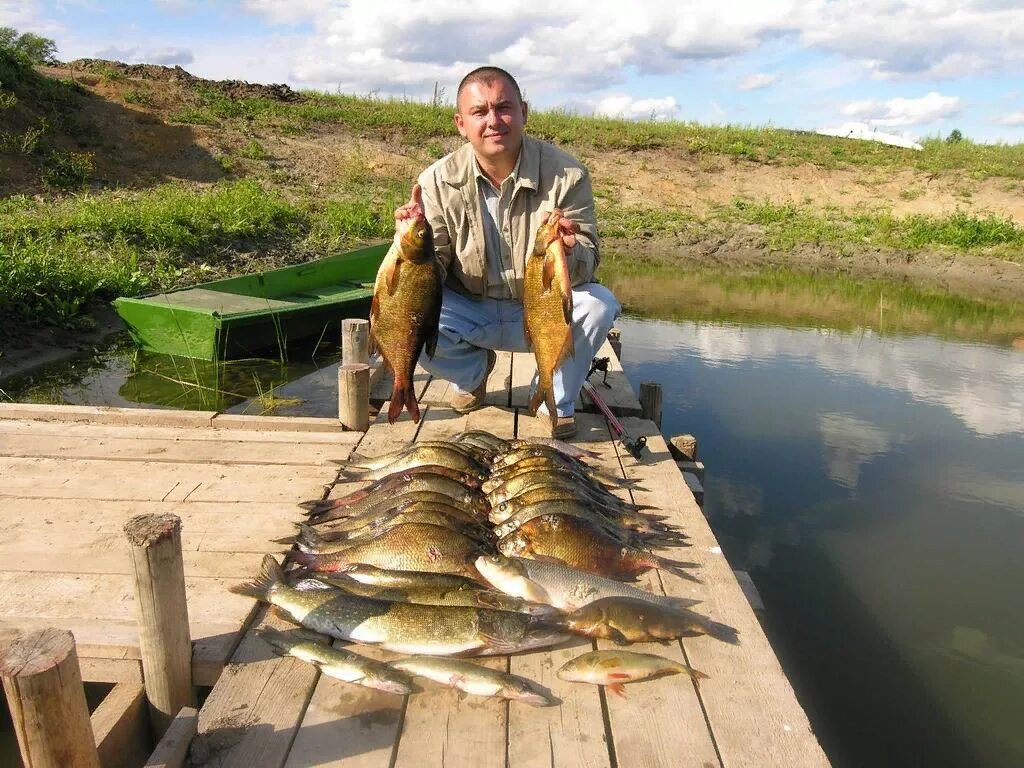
x,y
634,446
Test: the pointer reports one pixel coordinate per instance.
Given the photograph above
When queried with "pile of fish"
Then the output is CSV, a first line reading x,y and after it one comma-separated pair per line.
x,y
473,546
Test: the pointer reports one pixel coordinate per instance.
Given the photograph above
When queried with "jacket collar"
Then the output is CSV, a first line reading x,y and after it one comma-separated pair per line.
x,y
459,169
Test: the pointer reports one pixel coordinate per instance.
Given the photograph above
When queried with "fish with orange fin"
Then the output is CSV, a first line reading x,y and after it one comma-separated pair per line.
x,y
406,305
614,669
547,310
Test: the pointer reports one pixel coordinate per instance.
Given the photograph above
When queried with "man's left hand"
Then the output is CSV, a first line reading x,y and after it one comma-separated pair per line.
x,y
567,230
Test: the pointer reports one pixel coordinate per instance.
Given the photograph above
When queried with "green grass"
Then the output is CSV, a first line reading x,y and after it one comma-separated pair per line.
x,y
418,123
58,257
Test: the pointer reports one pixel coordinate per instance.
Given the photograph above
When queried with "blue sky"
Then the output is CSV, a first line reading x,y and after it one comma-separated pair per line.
x,y
911,68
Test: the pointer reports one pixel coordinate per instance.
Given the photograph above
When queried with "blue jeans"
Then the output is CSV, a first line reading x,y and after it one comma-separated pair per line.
x,y
469,327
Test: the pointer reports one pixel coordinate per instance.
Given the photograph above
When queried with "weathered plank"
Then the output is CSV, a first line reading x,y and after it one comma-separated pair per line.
x,y
753,713
348,726
252,712
102,414
146,432
153,481
178,451
615,389
120,726
172,750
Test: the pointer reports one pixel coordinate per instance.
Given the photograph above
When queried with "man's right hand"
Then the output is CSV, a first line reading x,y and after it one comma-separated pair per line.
x,y
414,208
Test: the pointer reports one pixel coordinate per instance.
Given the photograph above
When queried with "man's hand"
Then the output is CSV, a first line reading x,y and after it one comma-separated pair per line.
x,y
414,208
567,230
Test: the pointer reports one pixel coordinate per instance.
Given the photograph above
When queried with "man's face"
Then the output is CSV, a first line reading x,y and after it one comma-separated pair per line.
x,y
491,117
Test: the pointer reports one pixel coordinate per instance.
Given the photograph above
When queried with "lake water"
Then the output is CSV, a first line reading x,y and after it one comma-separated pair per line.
x,y
873,487
864,447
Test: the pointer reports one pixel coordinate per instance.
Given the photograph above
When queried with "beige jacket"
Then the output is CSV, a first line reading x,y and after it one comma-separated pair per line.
x,y
548,178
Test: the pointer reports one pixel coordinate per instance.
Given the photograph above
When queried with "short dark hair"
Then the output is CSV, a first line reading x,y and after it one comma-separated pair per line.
x,y
486,75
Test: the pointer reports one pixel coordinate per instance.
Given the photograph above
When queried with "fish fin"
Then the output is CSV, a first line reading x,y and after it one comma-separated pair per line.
x,y
412,405
549,402
269,575
313,584
695,674
281,613
722,632
567,312
306,559
430,346
547,273
391,276
309,535
569,348
495,643
681,602
617,637
537,399
676,567
618,689
286,540
526,335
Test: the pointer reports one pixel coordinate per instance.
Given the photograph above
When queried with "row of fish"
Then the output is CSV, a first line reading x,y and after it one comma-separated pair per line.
x,y
478,546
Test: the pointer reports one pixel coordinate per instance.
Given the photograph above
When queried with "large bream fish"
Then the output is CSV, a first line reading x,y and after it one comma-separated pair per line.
x,y
406,308
547,310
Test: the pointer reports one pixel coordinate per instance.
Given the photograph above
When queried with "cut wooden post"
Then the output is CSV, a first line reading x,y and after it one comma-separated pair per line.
x,y
650,401
615,339
355,341
164,641
354,396
47,701
683,447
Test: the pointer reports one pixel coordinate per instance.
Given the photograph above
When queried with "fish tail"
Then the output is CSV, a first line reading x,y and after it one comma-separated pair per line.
x,y
286,540
358,460
281,642
720,631
695,674
270,575
412,405
309,536
675,566
537,399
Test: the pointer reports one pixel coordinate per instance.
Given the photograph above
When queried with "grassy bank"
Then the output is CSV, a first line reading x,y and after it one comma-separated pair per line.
x,y
57,257
424,124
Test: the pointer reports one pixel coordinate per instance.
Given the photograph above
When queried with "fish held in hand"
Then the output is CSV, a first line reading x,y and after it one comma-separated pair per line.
x,y
477,680
547,310
338,662
628,620
561,586
406,308
616,668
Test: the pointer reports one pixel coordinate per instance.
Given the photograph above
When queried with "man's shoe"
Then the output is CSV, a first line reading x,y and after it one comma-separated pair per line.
x,y
565,428
464,402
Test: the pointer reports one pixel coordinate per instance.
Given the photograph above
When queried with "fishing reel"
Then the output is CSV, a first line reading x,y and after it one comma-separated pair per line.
x,y
600,364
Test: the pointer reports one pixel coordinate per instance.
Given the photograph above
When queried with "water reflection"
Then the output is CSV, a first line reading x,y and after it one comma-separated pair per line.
x,y
865,481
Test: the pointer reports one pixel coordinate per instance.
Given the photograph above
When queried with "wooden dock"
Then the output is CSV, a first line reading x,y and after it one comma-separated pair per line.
x,y
71,477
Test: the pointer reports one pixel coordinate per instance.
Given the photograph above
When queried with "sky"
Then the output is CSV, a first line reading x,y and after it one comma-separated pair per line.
x,y
917,69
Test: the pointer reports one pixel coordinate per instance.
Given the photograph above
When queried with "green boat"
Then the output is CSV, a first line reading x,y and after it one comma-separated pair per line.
x,y
242,316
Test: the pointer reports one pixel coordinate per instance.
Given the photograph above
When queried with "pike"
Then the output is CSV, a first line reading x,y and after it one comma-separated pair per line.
x,y
476,680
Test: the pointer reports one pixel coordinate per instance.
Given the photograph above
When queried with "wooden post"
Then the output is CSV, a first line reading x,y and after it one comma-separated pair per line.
x,y
650,401
355,341
354,396
683,447
47,700
164,641
615,339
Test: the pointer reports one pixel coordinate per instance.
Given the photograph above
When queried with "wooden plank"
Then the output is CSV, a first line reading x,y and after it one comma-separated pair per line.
x,y
96,670
80,525
276,423
348,726
750,706
147,432
120,726
173,747
153,481
444,727
102,414
27,566
171,451
571,734
251,715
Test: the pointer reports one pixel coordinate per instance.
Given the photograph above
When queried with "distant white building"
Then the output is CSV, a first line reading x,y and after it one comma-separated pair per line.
x,y
869,133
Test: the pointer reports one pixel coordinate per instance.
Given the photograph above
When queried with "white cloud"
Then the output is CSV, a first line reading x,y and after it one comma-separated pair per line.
x,y
1014,118
287,11
140,55
637,109
900,112
757,81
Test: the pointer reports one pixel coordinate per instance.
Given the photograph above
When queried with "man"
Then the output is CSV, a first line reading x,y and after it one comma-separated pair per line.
x,y
485,202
